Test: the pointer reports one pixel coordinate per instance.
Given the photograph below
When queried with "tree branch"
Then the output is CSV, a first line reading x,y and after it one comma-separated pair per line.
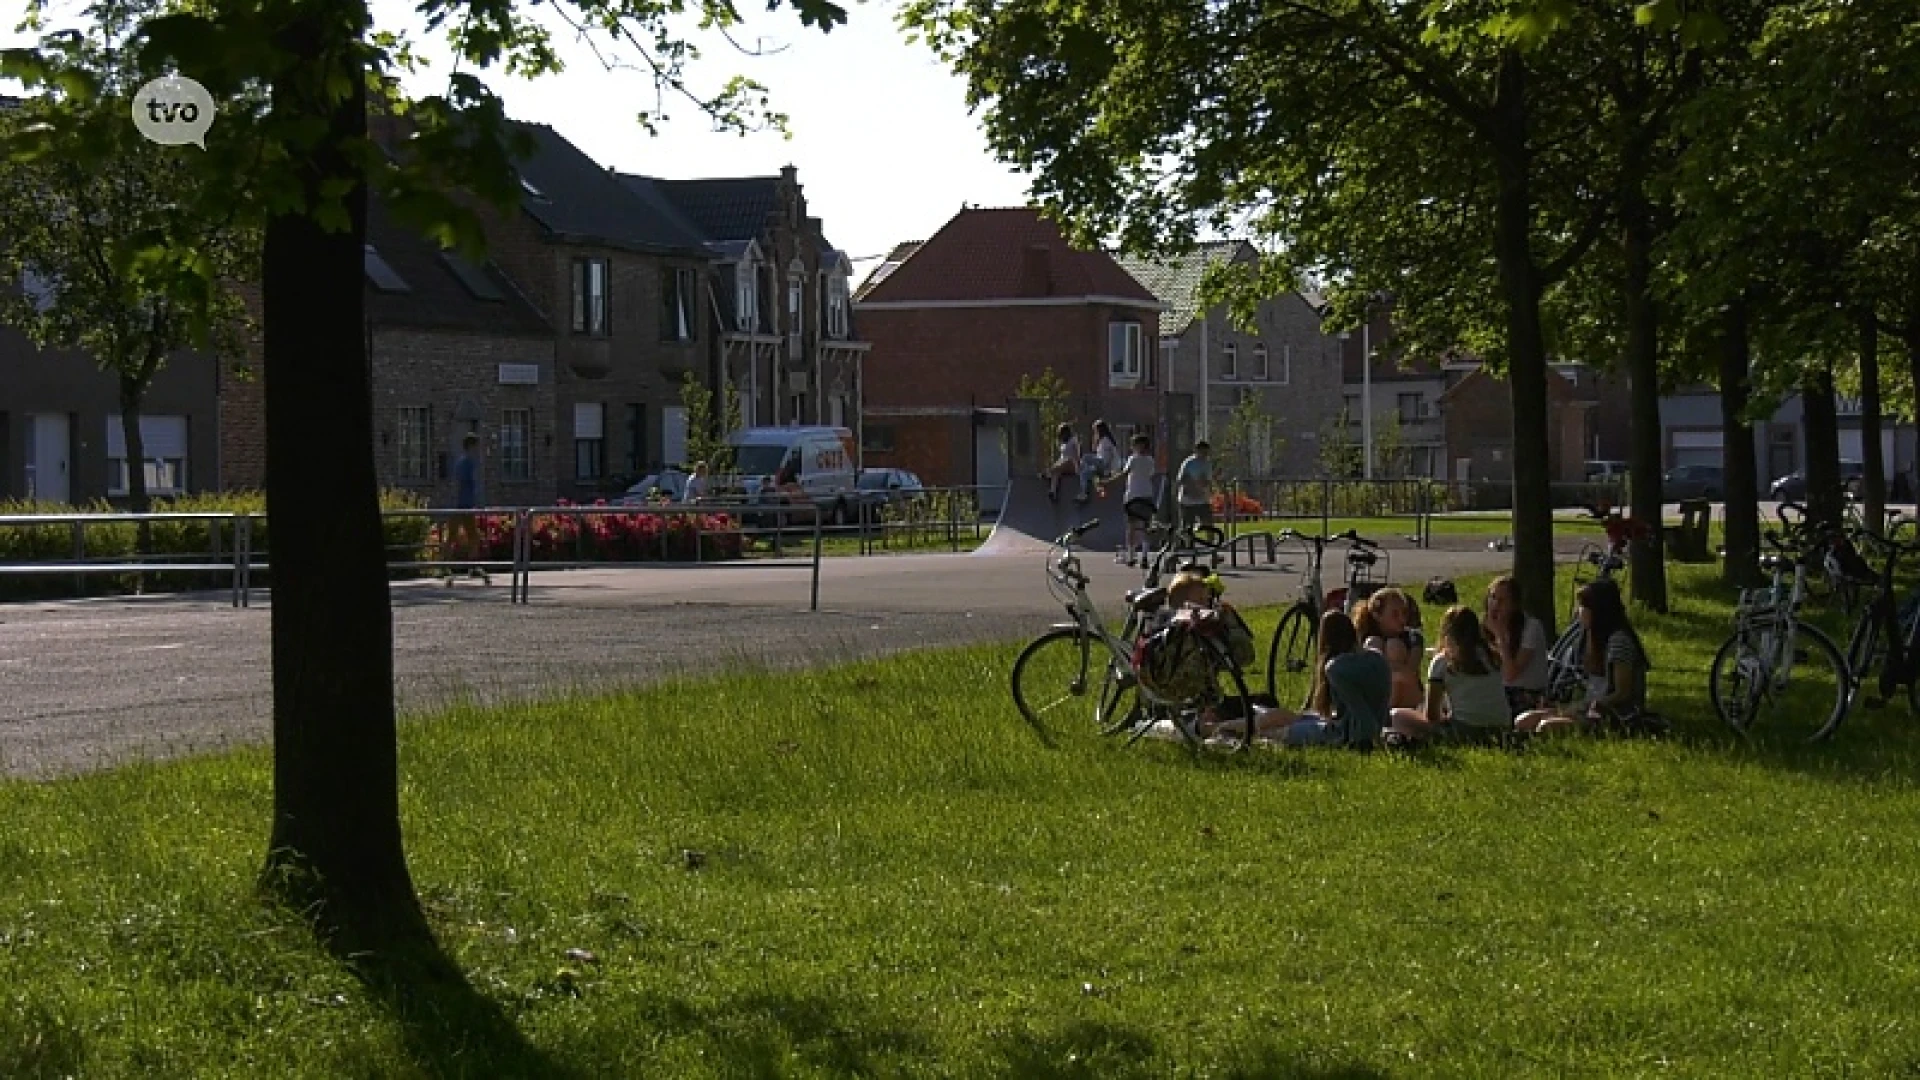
x,y
1589,234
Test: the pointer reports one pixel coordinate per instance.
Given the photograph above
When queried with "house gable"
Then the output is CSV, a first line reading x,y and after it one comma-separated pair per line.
x,y
1004,258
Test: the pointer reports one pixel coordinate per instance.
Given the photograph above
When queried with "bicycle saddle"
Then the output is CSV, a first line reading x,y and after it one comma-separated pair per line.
x,y
1146,600
1362,558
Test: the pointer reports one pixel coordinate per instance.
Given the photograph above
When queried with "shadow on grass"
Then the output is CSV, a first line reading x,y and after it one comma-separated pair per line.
x,y
1115,1052
764,1034
449,1028
38,1041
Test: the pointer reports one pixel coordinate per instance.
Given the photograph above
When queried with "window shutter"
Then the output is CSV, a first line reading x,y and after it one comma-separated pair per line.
x,y
589,420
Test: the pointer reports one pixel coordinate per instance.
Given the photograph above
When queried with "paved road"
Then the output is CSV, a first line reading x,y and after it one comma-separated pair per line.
x,y
90,684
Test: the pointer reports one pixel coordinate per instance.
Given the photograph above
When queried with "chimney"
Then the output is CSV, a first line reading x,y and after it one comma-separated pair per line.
x,y
790,174
1036,271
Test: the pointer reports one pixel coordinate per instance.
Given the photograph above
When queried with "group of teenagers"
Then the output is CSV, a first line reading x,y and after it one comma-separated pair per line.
x,y
1487,677
1193,481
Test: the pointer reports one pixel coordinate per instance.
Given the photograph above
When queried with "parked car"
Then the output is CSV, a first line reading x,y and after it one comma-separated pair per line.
x,y
1793,486
1694,482
879,487
1606,472
671,483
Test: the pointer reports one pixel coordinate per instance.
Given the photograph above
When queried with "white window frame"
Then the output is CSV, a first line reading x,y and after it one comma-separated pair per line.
x,y
682,285
1262,366
837,306
413,444
746,294
1230,361
1123,353
516,445
592,291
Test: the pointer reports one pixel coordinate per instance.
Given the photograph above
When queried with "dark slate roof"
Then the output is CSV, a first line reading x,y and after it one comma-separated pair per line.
x,y
1176,281
436,299
1003,254
574,198
726,208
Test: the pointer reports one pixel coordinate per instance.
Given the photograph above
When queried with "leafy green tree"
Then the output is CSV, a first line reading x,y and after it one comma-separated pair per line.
x,y
706,433
335,852
79,235
1247,442
1053,395
1340,454
1389,445
1429,150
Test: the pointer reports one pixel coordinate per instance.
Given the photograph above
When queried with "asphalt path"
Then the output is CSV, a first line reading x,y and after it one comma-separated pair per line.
x,y
92,684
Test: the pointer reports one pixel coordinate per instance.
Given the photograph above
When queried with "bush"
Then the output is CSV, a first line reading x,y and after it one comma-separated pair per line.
x,y
1244,505
617,537
927,517
1341,498
210,541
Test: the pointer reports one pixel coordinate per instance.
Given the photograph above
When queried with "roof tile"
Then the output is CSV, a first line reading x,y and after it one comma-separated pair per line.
x,y
1001,254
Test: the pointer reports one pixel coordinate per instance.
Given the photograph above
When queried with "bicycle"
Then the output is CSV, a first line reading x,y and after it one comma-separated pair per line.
x,y
1758,664
1566,660
1883,632
1291,652
1057,668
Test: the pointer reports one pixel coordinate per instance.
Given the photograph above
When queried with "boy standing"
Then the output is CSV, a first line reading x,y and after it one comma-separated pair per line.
x,y
1194,487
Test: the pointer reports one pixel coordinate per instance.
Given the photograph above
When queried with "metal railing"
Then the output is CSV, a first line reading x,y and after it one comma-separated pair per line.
x,y
237,560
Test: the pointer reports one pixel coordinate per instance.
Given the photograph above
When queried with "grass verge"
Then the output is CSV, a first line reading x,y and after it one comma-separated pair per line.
x,y
892,879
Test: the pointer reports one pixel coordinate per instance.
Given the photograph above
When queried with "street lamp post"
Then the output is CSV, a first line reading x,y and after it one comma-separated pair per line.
x,y
1366,392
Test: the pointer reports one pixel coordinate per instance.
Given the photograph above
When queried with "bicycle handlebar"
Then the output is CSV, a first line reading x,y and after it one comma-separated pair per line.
x,y
1077,532
1351,536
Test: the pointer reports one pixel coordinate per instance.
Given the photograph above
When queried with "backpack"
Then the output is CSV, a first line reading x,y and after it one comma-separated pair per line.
x,y
1440,591
1172,663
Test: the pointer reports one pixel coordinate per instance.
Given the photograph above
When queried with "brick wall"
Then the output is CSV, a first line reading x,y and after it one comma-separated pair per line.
x,y
456,376
1479,426
955,357
1289,328
243,409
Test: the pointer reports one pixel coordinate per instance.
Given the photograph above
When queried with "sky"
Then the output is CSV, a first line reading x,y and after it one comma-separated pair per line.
x,y
885,147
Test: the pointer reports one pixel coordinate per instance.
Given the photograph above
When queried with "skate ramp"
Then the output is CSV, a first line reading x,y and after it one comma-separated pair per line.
x,y
1030,522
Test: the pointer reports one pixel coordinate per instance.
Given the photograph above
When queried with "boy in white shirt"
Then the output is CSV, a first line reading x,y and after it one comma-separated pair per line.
x,y
1138,498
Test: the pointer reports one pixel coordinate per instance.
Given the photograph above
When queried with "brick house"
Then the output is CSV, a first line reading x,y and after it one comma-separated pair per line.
x,y
779,297
995,295
619,278
1284,360
1406,391
456,350
1479,429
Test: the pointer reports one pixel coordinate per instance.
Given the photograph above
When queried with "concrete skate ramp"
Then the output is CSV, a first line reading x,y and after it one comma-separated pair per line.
x,y
1029,521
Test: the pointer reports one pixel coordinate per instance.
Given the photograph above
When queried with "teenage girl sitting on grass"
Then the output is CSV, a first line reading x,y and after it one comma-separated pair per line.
x,y
1351,691
1381,620
1615,663
1465,693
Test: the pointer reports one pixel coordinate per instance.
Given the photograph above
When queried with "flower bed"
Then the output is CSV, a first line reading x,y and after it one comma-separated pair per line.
x,y
617,537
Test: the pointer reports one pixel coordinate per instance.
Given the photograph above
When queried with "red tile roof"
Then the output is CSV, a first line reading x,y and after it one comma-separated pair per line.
x,y
1003,254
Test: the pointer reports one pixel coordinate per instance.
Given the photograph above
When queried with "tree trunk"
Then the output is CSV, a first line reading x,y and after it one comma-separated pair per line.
x,y
1648,556
1873,484
134,455
1826,502
1526,349
336,845
1742,468
1913,372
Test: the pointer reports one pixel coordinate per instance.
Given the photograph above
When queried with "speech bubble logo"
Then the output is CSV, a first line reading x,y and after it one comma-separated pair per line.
x,y
174,111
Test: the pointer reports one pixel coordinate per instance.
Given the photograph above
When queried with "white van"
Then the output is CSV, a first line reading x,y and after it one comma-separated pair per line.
x,y
798,465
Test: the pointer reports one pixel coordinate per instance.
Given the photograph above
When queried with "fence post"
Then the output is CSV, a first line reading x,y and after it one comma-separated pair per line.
x,y
1326,504
521,577
243,551
814,604
953,527
239,520
698,542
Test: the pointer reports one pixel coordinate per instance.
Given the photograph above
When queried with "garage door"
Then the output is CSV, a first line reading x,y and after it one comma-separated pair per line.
x,y
1698,448
1852,447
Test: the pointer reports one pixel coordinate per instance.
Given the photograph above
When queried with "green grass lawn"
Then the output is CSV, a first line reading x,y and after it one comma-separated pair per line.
x,y
898,881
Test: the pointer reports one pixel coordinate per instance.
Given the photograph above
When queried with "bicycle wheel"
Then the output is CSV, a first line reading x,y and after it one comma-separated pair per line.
x,y
1290,657
1565,666
1052,678
1233,696
1863,647
1807,702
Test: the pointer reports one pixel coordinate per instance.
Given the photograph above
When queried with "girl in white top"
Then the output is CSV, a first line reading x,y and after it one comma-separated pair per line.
x,y
1065,463
1138,498
1465,692
1102,463
1520,643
